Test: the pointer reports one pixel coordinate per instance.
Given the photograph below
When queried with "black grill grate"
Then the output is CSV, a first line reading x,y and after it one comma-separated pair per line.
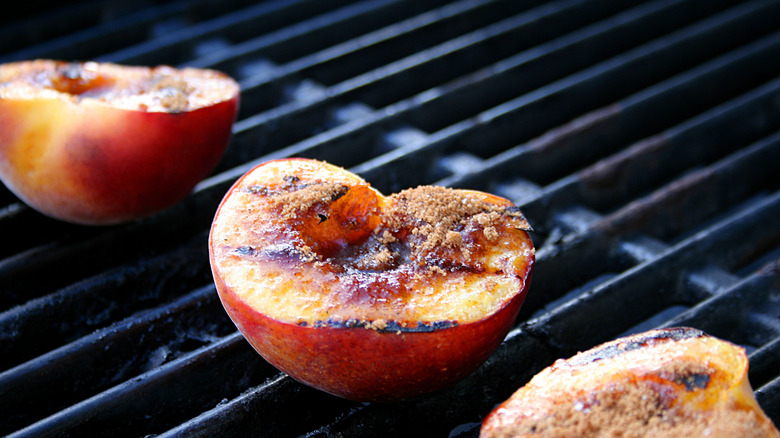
x,y
641,139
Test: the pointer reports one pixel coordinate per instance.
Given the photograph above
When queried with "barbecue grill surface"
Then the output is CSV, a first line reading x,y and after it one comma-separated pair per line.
x,y
641,140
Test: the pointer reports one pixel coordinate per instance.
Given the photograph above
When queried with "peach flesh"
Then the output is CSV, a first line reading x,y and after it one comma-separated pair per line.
x,y
662,383
93,144
358,351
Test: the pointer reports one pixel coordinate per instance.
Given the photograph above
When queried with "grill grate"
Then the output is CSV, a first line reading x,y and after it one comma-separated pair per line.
x,y
640,139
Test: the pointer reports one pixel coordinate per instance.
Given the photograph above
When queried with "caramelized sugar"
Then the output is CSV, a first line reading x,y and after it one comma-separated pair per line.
x,y
667,387
306,251
80,79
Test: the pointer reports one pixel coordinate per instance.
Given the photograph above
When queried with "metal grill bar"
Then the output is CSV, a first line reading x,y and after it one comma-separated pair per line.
x,y
293,121
143,341
215,33
621,176
526,116
94,301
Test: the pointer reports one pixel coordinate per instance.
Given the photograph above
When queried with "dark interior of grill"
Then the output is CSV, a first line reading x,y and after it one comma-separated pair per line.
x,y
640,139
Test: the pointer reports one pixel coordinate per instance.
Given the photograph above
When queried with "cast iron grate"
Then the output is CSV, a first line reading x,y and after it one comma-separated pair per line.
x,y
641,139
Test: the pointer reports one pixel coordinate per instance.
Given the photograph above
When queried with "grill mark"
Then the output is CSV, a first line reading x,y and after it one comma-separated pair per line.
x,y
694,381
616,349
292,186
283,253
383,326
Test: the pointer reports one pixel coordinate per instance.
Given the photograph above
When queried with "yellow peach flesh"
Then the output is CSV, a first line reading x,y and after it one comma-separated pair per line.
x,y
654,386
98,143
309,291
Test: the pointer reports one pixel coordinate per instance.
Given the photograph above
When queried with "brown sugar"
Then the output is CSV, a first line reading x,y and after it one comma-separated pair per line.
x,y
663,389
148,89
490,234
632,409
379,324
293,199
376,259
322,246
414,224
437,205
172,92
440,214
627,407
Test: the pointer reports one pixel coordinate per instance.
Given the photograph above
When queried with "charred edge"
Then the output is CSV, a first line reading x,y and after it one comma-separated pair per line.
x,y
276,253
258,190
244,251
386,326
342,192
449,266
290,186
621,346
514,212
70,70
291,179
694,381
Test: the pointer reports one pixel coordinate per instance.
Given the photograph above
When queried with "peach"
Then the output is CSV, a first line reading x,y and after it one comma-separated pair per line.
x,y
661,383
99,143
364,296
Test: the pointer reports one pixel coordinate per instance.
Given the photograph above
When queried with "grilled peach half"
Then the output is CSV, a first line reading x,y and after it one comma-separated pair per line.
x,y
663,383
364,296
100,143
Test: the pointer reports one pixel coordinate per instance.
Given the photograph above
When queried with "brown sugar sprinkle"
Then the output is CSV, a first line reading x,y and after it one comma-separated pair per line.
x,y
436,217
293,199
172,93
490,234
631,409
381,258
379,324
439,212
629,405
387,237
434,205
